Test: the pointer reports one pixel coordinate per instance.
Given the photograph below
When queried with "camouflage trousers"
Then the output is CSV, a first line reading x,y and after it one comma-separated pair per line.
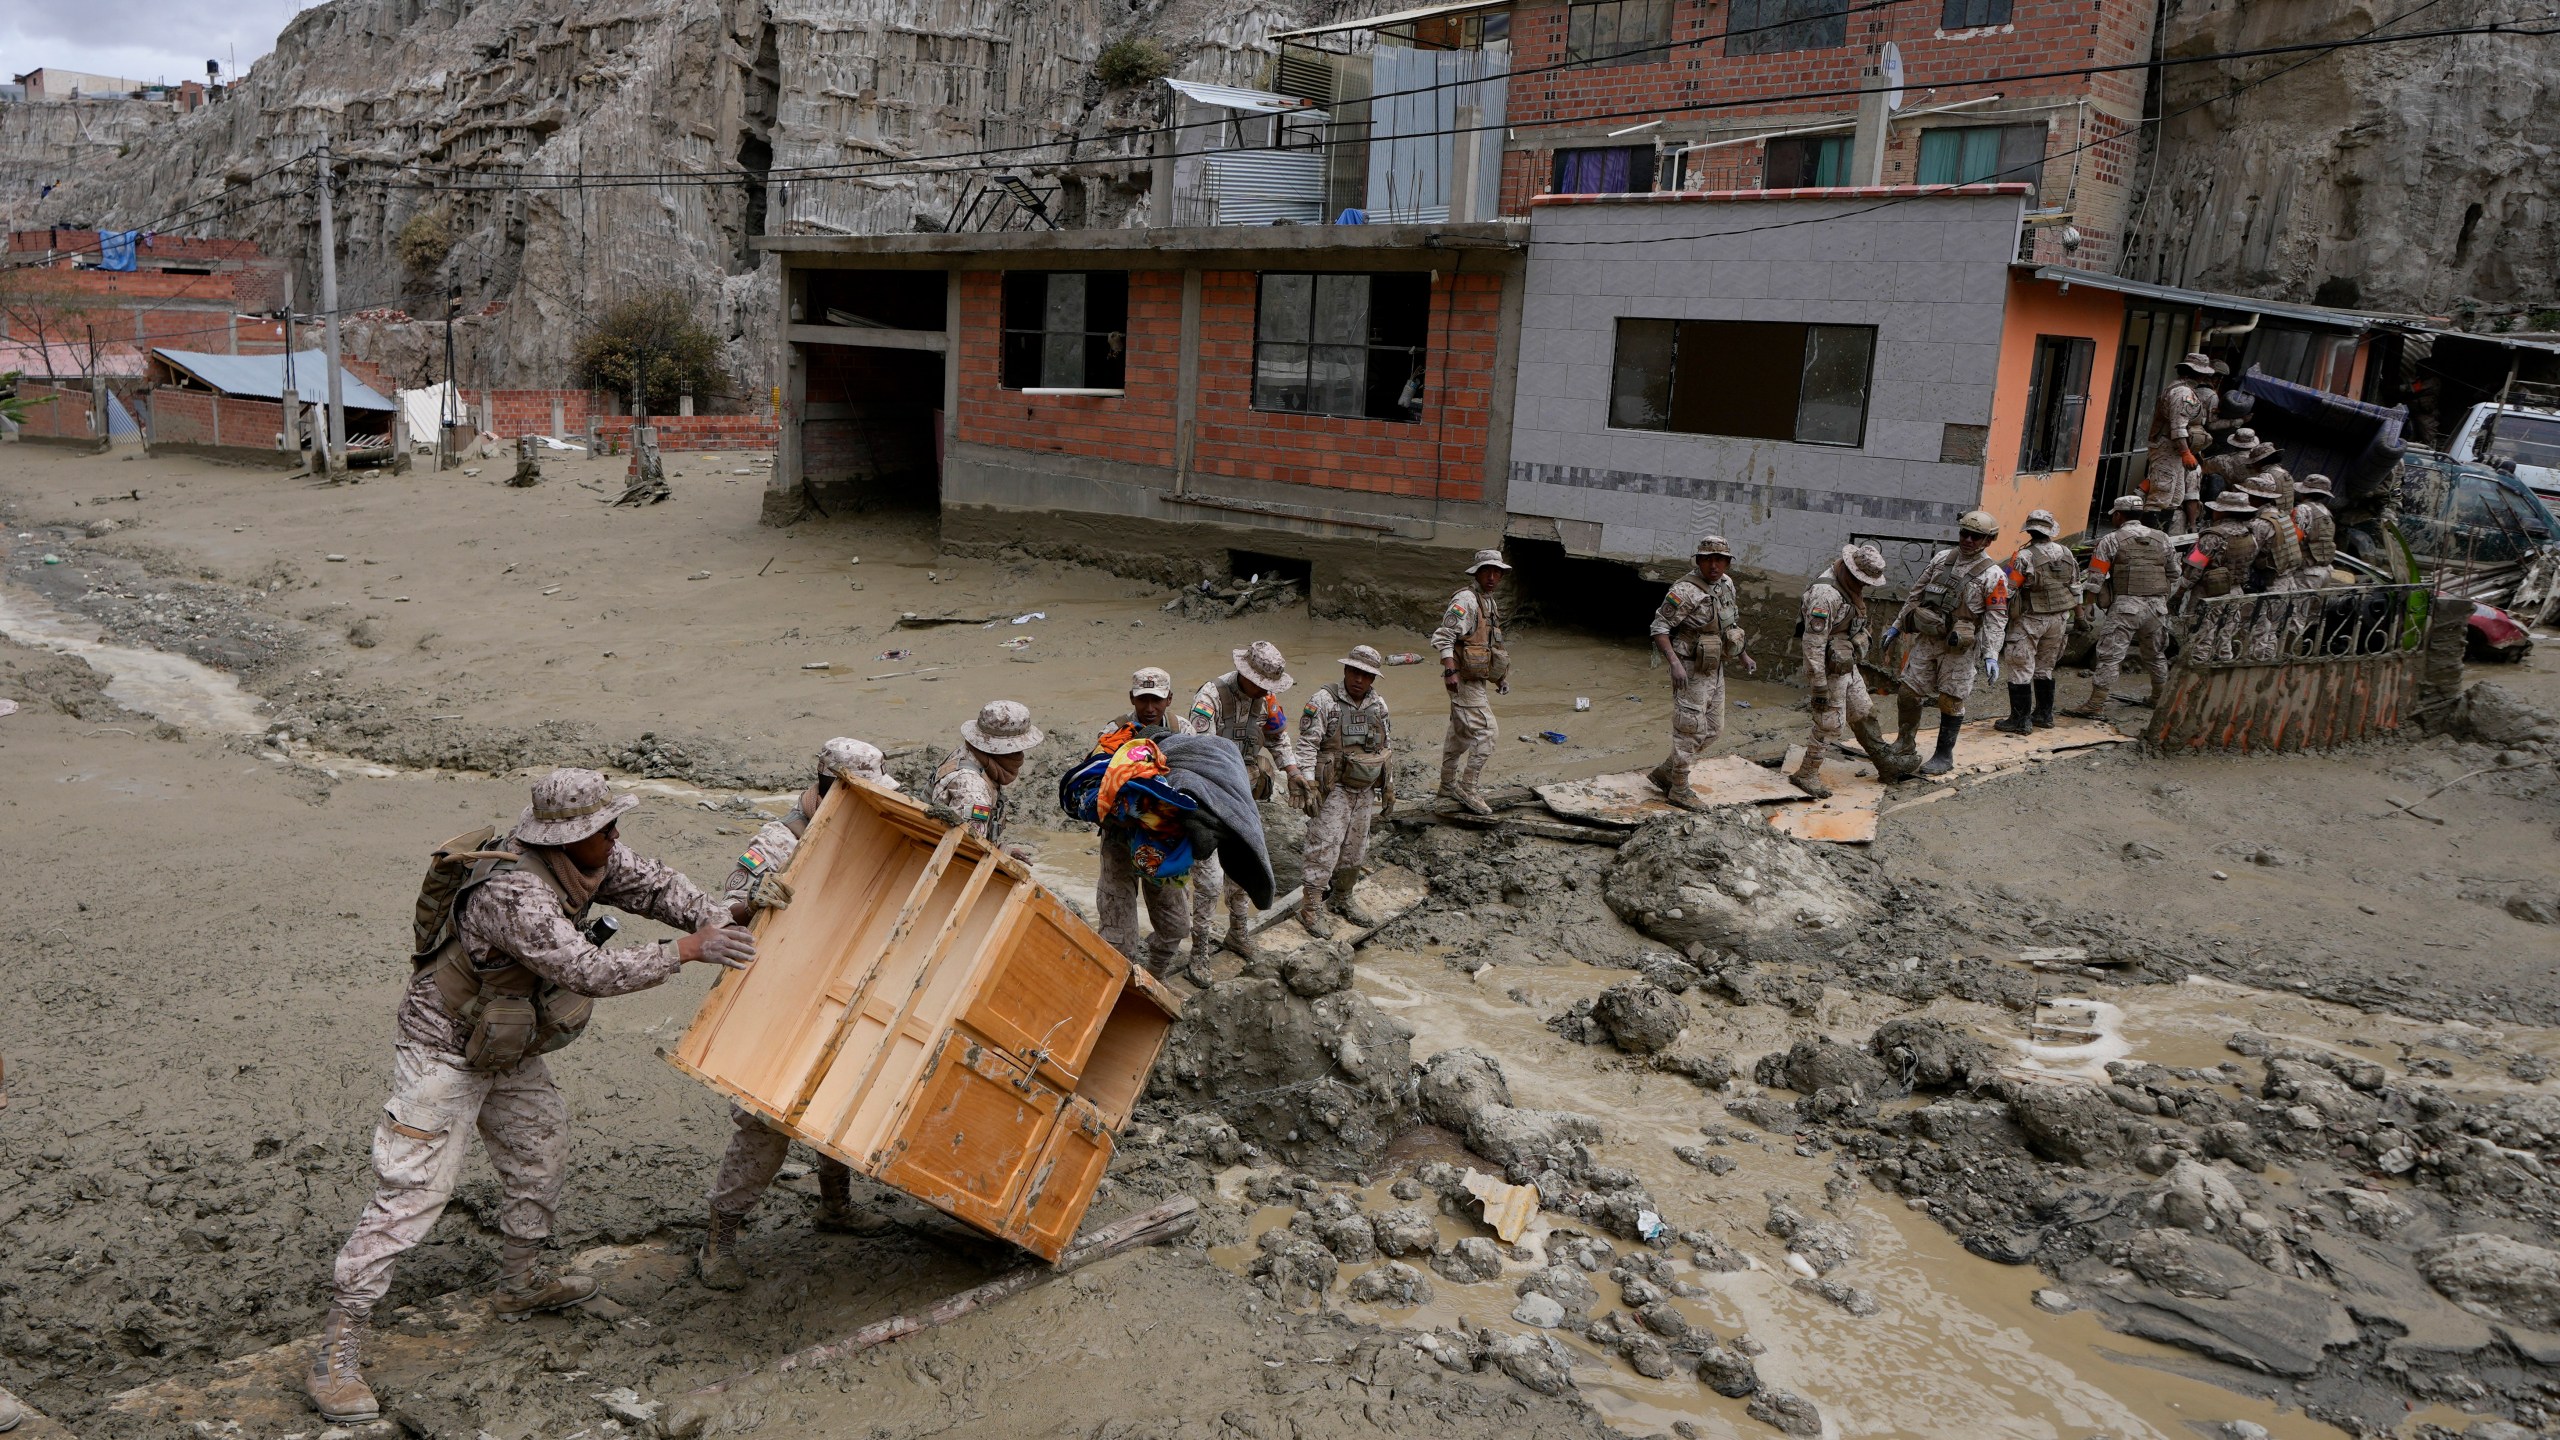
x,y
1936,668
2132,618
418,1149
1697,715
1471,736
1338,833
1211,888
754,1157
1838,703
2033,646
1116,894
2278,624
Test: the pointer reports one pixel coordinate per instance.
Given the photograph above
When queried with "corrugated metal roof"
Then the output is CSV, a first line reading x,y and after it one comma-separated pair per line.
x,y
2283,310
1231,97
262,376
1392,17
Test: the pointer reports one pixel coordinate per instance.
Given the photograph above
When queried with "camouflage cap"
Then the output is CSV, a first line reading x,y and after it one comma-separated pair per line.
x,y
1002,727
845,758
1149,680
1712,545
1865,563
568,806
1261,663
2131,502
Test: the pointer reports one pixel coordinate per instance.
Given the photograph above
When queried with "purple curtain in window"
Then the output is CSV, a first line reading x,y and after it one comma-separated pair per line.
x,y
1595,172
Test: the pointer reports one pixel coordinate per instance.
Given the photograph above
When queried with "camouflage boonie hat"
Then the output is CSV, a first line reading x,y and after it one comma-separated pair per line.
x,y
2131,503
1487,557
1261,663
2231,502
2041,522
845,758
1365,657
568,806
2312,485
1002,727
1864,562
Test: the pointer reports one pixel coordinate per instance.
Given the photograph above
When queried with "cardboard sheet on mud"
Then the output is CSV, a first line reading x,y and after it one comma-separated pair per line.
x,y
1858,800
1388,893
1627,798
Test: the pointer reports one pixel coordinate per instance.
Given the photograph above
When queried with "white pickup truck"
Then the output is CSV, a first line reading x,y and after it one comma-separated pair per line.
x,y
2525,442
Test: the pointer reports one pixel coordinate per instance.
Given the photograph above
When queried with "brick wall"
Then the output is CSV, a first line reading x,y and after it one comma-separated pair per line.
x,y
190,248
528,412
201,420
1136,428
1441,456
870,418
690,432
1572,108
56,412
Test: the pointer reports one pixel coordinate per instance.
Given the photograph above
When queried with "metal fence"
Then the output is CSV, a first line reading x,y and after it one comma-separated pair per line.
x,y
2342,622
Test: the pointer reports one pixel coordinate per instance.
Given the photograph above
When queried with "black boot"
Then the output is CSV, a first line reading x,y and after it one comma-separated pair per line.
x,y
1945,759
2044,704
2022,699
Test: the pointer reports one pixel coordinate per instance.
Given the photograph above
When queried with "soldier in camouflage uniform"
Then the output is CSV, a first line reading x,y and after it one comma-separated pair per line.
x,y
757,1146
1696,629
2044,585
970,782
470,1055
1243,705
2219,566
1834,620
2231,468
2277,571
2136,566
2319,531
2171,475
1475,666
1958,614
1346,735
1118,887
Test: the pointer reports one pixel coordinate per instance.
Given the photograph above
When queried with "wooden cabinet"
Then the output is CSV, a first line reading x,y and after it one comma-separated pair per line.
x,y
929,1015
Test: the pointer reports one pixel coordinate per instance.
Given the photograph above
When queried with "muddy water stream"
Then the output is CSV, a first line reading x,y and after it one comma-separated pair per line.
x,y
173,688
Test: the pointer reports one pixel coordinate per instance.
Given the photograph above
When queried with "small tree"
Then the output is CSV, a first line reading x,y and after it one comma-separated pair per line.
x,y
1131,61
652,343
13,406
425,241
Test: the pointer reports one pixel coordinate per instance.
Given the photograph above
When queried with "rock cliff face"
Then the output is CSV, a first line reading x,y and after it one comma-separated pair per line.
x,y
42,145
2395,177
474,130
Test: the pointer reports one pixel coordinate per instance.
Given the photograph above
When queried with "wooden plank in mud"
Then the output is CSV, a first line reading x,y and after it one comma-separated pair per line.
x,y
1627,798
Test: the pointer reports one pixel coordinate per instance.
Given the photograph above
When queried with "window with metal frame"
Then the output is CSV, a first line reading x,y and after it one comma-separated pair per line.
x,y
1770,27
1346,345
1065,329
1974,14
1799,162
1617,31
1605,170
2057,403
1982,154
1756,379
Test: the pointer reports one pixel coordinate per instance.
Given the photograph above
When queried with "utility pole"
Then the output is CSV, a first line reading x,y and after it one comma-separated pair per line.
x,y
445,407
290,399
337,442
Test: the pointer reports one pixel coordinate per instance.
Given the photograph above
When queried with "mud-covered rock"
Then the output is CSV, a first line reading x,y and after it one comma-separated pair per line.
x,y
1471,1261
1822,1063
1454,1086
1664,1319
1848,1297
1668,972
2491,714
1564,1284
1316,970
1316,1082
1788,1412
1932,1054
1728,1372
1404,1231
1349,1238
1394,1283
1639,1017
1294,1269
2304,1083
1724,878
2078,1125
2497,1276
1710,1070
1537,1362
1531,1140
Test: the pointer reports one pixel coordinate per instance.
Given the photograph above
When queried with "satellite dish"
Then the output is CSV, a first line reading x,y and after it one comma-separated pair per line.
x,y
1892,67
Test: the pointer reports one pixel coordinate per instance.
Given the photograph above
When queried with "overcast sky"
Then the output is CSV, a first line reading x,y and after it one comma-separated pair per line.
x,y
146,40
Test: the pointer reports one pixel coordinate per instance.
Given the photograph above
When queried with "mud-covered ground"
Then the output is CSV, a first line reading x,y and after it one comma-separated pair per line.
x,y
204,939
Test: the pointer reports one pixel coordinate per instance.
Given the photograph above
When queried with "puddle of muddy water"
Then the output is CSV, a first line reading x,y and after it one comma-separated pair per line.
x,y
183,692
1957,1348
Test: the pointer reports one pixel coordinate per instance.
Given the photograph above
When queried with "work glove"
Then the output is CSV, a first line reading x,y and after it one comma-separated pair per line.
x,y
1301,796
1891,633
1991,668
727,946
770,892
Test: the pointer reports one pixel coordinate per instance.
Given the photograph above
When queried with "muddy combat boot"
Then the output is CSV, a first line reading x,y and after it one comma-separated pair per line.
x,y
1945,759
1239,938
2093,708
2043,717
1311,914
1891,767
1807,776
836,1215
1471,800
1673,781
2022,705
1906,742
1346,900
527,1287
716,1263
335,1381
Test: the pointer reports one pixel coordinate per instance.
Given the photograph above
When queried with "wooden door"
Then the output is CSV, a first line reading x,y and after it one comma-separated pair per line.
x,y
978,1127
1049,996
1062,1181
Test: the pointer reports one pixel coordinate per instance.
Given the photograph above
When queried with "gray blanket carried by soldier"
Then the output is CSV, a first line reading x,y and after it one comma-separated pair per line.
x,y
1210,769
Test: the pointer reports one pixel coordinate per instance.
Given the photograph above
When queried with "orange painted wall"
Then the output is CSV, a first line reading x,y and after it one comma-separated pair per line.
x,y
2038,307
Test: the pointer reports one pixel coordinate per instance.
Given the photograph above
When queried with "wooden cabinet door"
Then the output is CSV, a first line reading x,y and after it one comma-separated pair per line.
x,y
972,1137
1061,1187
1049,997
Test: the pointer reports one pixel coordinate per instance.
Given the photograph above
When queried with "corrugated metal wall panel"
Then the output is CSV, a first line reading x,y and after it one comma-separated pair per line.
x,y
1257,187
